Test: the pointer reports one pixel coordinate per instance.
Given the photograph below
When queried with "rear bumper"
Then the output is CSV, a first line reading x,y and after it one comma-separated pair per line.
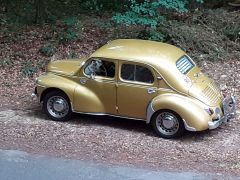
x,y
229,111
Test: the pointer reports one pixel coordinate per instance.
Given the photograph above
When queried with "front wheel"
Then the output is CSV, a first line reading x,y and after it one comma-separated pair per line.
x,y
57,106
168,124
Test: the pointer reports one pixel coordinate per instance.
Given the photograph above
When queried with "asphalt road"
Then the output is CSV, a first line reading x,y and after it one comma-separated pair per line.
x,y
18,165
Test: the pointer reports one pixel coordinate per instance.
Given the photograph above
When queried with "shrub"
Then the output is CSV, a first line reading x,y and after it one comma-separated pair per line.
x,y
48,50
28,69
148,14
6,62
69,30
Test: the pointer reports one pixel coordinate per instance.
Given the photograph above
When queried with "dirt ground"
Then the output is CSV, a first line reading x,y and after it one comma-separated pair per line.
x,y
24,126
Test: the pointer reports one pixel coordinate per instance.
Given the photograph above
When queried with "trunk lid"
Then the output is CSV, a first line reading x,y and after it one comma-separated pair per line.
x,y
204,88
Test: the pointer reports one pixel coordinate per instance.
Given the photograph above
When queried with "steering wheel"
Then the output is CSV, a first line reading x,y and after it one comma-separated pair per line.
x,y
103,70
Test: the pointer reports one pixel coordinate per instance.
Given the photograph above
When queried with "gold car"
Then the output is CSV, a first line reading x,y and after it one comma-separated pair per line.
x,y
137,79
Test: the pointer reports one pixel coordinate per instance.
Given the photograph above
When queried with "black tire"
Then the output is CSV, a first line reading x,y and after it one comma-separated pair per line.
x,y
62,115
177,129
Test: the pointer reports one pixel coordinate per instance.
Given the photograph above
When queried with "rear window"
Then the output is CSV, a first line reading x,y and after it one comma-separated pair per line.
x,y
184,64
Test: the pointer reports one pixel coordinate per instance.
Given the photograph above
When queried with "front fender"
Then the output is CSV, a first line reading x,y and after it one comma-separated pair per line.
x,y
52,81
190,110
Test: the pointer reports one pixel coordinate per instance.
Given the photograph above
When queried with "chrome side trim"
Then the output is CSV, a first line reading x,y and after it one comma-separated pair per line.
x,y
41,86
106,114
187,127
150,112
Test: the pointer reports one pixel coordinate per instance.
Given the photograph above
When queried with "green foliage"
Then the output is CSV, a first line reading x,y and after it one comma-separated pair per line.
x,y
233,32
156,35
28,69
69,30
100,6
20,12
48,50
6,62
148,14
72,55
92,5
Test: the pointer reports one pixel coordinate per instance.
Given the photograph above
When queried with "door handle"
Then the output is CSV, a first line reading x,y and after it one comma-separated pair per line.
x,y
151,90
83,80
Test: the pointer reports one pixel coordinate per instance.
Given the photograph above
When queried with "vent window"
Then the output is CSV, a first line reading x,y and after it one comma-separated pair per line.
x,y
184,64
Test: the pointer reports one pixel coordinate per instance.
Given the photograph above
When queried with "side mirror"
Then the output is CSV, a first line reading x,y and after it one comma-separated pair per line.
x,y
159,78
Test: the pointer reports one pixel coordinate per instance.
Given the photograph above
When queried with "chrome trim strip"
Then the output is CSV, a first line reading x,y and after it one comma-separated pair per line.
x,y
187,127
106,114
150,112
40,85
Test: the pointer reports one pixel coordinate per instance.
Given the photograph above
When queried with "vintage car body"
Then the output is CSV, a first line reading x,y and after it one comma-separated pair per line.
x,y
137,79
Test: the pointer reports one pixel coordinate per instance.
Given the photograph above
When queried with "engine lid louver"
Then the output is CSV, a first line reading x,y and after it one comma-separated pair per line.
x,y
184,65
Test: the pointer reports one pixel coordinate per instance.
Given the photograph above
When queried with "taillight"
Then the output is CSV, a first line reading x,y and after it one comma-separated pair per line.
x,y
209,111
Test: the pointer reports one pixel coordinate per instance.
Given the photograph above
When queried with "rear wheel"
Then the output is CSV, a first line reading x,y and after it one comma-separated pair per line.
x,y
168,124
57,106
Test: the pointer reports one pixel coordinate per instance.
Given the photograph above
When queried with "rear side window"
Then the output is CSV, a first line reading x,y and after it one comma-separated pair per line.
x,y
137,73
184,64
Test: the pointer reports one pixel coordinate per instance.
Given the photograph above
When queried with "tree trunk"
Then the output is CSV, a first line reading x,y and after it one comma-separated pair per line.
x,y
40,15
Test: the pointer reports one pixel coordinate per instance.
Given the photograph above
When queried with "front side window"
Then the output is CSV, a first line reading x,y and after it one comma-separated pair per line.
x,y
131,72
98,67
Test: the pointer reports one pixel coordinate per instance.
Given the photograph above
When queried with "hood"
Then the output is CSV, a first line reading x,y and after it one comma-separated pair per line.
x,y
204,88
66,67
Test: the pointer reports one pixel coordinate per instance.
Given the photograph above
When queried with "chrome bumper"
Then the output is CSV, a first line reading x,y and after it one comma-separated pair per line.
x,y
229,111
34,94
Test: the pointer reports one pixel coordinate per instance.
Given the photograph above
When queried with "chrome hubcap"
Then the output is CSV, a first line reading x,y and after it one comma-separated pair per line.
x,y
57,106
167,123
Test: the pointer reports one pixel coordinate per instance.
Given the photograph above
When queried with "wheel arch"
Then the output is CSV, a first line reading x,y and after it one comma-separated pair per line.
x,y
191,112
51,89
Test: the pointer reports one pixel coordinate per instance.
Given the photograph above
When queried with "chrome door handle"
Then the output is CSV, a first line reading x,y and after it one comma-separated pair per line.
x,y
83,80
151,90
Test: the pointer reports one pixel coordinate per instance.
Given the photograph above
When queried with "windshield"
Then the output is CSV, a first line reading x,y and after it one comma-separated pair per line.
x,y
184,64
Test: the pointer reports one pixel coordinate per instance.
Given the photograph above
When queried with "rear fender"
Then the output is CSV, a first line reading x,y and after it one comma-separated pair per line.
x,y
190,110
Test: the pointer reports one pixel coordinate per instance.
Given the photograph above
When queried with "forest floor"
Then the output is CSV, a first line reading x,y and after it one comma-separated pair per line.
x,y
23,56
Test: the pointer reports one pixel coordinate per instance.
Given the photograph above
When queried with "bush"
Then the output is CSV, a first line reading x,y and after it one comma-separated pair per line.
x,y
48,50
68,30
202,41
6,62
28,69
148,14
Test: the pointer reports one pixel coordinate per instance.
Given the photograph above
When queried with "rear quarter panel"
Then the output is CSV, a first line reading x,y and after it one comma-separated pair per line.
x,y
191,110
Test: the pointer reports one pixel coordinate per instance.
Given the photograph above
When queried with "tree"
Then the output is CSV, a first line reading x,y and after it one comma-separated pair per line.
x,y
40,11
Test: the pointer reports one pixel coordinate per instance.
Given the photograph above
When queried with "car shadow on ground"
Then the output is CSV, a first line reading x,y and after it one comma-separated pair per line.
x,y
119,123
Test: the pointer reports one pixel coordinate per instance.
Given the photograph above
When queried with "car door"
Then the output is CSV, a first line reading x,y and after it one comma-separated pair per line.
x,y
96,92
137,86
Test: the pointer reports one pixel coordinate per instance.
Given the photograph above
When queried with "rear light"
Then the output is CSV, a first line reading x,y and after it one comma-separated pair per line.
x,y
209,111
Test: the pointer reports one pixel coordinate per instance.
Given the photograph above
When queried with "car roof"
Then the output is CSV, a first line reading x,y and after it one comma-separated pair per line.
x,y
145,51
